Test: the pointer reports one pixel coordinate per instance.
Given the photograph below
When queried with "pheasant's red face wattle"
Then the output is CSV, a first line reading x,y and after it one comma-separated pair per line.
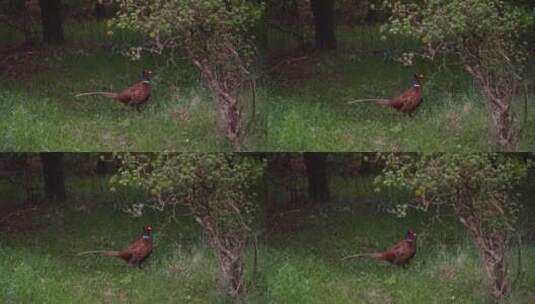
x,y
147,74
411,235
147,231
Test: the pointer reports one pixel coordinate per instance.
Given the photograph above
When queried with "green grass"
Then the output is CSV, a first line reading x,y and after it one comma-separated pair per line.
x,y
308,109
39,265
58,121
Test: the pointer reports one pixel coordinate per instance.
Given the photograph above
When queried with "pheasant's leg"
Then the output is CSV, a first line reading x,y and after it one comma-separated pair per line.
x,y
132,262
142,106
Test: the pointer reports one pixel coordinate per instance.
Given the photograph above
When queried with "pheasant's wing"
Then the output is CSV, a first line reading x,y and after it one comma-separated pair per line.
x,y
140,249
140,92
410,99
129,252
405,254
389,256
125,95
401,101
135,246
397,247
402,252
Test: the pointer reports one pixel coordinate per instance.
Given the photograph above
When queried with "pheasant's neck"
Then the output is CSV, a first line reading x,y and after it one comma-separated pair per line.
x,y
146,237
146,81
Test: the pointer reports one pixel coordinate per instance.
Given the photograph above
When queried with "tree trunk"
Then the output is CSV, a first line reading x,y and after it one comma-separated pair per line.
x,y
101,168
30,33
318,183
365,165
99,11
225,88
229,250
229,118
501,124
492,251
498,274
52,21
53,176
323,11
231,268
499,91
32,168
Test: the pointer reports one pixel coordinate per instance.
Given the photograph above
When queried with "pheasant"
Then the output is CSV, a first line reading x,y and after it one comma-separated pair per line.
x,y
134,96
134,254
407,102
399,254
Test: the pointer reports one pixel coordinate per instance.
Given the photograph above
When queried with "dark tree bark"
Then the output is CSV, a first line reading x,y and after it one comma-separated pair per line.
x,y
52,21
365,166
53,176
32,167
318,182
101,168
99,11
323,11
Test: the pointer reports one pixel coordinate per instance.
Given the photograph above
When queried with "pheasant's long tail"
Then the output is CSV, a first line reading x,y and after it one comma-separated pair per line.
x,y
375,255
378,101
383,102
101,252
105,94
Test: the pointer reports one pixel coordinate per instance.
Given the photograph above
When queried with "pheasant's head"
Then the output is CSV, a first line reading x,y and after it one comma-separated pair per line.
x,y
147,230
417,78
411,236
146,75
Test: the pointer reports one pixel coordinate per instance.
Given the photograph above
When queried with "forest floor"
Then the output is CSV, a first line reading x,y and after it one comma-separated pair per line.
x,y
297,263
301,103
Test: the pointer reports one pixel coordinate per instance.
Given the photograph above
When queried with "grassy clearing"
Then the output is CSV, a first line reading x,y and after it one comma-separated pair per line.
x,y
40,113
302,266
308,109
302,107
